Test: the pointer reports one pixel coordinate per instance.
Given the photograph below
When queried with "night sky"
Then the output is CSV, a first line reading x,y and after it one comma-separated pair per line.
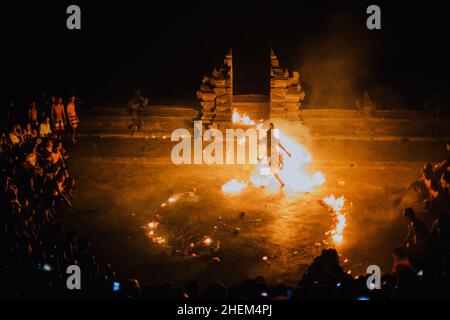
x,y
164,48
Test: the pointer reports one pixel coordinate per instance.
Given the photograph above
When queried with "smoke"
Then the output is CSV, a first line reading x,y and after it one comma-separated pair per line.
x,y
336,62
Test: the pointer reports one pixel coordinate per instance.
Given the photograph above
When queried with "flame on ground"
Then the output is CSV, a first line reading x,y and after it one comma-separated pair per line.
x,y
245,119
207,241
293,173
152,233
336,205
234,186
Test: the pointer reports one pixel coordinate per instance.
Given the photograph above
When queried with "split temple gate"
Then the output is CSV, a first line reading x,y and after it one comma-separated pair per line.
x,y
218,101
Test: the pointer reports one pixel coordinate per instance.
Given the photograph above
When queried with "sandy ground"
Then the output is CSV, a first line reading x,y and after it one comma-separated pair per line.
x,y
123,182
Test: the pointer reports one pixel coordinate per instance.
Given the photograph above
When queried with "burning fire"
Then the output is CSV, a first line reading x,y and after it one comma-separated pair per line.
x,y
207,241
153,225
293,172
336,205
152,234
245,119
234,186
295,176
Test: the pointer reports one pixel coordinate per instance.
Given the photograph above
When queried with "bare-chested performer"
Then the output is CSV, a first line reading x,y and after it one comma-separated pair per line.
x,y
58,117
273,152
73,118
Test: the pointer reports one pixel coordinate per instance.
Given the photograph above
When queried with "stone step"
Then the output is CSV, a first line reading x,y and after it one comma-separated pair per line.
x,y
352,113
173,111
320,122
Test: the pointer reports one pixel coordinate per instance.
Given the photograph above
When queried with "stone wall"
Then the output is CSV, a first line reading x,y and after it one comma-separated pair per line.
x,y
344,124
216,94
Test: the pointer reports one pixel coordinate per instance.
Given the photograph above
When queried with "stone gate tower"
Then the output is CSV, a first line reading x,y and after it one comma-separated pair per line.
x,y
216,93
286,93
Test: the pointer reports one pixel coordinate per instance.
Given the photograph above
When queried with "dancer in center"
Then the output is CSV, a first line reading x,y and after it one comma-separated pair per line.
x,y
274,156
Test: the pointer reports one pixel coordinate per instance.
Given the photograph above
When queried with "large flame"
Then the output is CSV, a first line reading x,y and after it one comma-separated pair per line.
x,y
336,205
234,186
293,172
245,119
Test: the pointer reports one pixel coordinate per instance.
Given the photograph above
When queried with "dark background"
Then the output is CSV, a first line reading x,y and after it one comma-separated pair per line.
x,y
165,47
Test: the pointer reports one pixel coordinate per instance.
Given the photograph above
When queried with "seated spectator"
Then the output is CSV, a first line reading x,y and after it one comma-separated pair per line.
x,y
16,135
69,183
445,180
44,128
132,290
31,162
137,102
61,154
3,146
29,133
401,261
366,103
215,291
418,233
58,191
191,290
438,201
440,231
427,175
33,114
325,268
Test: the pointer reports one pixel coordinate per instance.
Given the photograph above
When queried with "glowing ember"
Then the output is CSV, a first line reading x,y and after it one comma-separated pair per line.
x,y
152,233
171,199
163,204
336,205
153,225
207,241
234,186
159,240
245,119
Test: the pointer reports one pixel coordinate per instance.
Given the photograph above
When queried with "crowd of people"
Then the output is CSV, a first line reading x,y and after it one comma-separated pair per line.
x,y
35,249
50,117
36,182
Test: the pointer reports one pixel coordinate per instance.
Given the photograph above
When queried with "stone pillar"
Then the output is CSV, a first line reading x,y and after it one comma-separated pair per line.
x,y
207,98
217,97
286,93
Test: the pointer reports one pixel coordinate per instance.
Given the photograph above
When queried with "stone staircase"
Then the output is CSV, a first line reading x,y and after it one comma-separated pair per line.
x,y
383,124
345,124
157,120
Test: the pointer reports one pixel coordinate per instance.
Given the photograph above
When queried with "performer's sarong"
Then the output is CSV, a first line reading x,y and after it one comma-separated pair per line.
x,y
59,125
74,121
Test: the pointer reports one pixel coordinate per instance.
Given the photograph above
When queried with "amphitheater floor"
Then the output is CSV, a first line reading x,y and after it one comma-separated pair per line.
x,y
122,184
